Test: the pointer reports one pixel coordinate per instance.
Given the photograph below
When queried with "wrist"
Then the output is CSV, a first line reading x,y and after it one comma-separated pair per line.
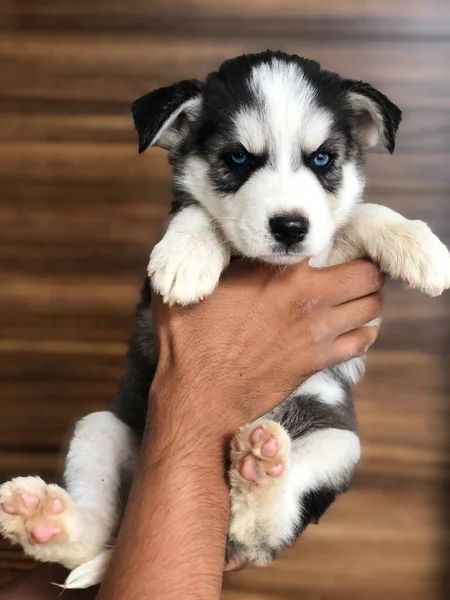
x,y
192,412
191,469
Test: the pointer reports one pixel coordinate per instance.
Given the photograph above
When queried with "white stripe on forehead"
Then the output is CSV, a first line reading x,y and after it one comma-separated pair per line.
x,y
287,117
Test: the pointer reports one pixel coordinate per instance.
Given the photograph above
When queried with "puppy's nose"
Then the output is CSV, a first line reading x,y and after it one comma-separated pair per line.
x,y
289,229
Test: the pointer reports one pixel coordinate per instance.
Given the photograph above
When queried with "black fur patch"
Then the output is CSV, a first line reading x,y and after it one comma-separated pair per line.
x,y
314,504
227,179
131,401
301,414
151,111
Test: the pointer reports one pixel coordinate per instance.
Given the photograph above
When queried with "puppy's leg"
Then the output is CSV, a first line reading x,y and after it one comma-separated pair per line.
x,y
186,264
260,464
404,249
279,485
71,526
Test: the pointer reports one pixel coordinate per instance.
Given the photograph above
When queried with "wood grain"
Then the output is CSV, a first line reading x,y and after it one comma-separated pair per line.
x,y
346,19
79,211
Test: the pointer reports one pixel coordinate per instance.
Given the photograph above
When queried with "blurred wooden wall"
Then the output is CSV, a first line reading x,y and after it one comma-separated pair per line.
x,y
79,211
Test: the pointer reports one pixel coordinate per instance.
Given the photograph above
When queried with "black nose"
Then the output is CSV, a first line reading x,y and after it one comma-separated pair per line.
x,y
289,229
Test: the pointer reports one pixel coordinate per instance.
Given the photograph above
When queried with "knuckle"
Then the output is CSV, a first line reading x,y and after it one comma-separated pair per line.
x,y
305,306
317,331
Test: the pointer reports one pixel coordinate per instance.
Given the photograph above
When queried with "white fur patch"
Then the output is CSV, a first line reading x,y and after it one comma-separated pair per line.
x,y
353,370
291,117
251,130
324,457
322,385
90,573
349,195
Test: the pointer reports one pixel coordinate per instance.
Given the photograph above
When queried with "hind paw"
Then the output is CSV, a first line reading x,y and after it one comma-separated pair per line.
x,y
32,512
44,520
260,453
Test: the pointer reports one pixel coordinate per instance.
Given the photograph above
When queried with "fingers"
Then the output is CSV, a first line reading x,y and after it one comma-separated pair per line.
x,y
343,283
354,314
354,344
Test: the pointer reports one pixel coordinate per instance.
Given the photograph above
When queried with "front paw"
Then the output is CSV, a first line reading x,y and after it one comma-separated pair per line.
x,y
186,275
419,258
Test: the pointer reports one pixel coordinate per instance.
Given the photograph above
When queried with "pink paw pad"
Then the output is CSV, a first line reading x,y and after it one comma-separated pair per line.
x,y
30,501
276,470
248,470
257,435
56,506
8,507
44,533
270,448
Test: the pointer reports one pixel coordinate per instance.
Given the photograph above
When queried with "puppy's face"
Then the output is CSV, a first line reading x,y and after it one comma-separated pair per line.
x,y
271,146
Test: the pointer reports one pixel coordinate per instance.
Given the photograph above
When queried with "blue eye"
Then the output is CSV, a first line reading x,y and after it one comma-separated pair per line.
x,y
239,158
321,159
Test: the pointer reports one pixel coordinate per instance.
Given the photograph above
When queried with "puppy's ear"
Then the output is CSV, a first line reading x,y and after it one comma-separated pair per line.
x,y
377,117
160,117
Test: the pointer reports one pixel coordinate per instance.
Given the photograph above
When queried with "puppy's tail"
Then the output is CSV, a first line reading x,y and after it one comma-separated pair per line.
x,y
89,574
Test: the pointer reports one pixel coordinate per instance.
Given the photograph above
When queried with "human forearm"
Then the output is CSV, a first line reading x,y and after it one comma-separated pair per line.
x,y
172,539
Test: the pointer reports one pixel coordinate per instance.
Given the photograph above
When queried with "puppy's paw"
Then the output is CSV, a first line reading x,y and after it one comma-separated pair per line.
x,y
260,454
186,275
35,515
419,258
43,519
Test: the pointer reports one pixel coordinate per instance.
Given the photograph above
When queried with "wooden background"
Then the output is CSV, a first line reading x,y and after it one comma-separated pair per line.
x,y
78,214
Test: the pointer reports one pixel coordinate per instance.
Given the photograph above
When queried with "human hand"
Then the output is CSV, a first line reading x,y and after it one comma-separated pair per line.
x,y
261,334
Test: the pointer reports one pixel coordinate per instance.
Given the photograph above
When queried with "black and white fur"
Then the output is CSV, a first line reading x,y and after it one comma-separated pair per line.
x,y
279,111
